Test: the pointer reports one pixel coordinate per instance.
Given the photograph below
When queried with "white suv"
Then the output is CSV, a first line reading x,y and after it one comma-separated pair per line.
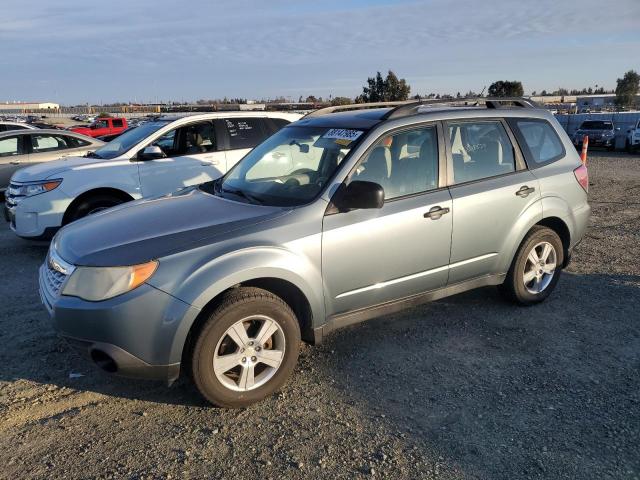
x,y
153,159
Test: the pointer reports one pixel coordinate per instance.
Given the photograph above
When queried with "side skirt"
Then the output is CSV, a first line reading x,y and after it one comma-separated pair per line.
x,y
340,320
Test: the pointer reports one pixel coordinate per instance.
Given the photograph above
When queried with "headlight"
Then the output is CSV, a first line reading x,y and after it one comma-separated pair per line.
x,y
35,188
101,283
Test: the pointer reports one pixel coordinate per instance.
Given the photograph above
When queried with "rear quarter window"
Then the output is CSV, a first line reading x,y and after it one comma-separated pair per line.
x,y
539,141
245,132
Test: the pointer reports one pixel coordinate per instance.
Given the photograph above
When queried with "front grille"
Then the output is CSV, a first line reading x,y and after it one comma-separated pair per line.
x,y
53,275
11,195
53,279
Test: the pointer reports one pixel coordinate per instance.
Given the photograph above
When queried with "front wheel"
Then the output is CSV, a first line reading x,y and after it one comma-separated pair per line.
x,y
246,349
536,268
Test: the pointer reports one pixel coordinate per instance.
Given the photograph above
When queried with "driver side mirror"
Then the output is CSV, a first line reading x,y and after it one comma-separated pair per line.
x,y
358,195
152,152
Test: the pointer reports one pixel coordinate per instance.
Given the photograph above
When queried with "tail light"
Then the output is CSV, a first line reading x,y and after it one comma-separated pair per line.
x,y
582,175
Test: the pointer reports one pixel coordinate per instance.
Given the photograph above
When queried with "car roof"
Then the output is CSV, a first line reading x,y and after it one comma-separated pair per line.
x,y
353,119
226,114
52,131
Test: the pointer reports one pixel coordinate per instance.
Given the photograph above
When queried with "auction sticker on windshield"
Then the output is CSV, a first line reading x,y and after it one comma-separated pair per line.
x,y
342,136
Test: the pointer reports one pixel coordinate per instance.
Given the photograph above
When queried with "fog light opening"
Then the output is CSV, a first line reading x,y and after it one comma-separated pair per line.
x,y
104,361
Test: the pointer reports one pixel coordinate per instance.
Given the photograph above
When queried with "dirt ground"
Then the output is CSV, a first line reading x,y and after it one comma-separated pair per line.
x,y
467,387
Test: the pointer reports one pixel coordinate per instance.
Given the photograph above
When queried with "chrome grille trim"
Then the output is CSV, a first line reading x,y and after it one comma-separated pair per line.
x,y
53,275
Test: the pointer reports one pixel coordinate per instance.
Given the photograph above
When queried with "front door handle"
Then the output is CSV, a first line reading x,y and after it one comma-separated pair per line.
x,y
525,191
435,213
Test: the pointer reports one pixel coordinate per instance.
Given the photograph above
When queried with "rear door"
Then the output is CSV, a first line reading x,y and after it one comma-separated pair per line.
x,y
192,157
242,135
491,188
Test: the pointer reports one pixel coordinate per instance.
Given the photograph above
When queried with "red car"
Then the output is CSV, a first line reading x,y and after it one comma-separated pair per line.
x,y
103,126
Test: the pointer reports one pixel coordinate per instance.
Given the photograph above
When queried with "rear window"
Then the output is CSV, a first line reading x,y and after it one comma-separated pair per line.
x,y
539,141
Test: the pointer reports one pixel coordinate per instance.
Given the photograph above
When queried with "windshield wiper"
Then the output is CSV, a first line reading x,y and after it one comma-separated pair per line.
x,y
241,193
92,155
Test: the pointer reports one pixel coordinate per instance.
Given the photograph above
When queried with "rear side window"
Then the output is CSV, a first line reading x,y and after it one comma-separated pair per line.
x,y
245,132
539,140
75,142
480,150
117,123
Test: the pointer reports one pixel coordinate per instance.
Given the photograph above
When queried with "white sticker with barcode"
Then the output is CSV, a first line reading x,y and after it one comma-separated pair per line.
x,y
342,135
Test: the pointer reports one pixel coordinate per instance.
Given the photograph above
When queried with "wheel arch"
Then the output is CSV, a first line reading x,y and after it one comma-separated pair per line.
x,y
115,192
562,230
290,293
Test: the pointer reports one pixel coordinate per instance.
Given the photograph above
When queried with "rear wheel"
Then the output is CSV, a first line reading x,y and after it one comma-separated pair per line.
x,y
536,268
246,349
91,205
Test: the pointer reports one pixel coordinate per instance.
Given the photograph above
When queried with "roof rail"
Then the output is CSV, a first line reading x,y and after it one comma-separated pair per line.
x,y
489,102
409,107
355,106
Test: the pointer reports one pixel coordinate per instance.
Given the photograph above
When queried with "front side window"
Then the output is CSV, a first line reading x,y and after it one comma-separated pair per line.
x,y
541,142
244,132
117,123
48,143
405,163
9,147
480,150
199,138
291,167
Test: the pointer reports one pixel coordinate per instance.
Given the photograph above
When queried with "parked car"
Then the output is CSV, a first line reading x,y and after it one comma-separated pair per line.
x,y
6,126
632,142
601,133
156,158
103,126
335,219
28,147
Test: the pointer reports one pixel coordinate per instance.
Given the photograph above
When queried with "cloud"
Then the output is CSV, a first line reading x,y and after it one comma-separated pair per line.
x,y
249,46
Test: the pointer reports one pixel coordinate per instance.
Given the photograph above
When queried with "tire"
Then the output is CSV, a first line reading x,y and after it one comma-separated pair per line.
x,y
540,287
93,204
218,344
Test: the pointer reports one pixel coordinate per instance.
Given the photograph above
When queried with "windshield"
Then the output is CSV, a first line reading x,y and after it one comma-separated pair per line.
x,y
290,168
596,125
128,139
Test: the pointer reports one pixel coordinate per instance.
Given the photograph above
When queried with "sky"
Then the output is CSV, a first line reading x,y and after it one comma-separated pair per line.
x,y
73,52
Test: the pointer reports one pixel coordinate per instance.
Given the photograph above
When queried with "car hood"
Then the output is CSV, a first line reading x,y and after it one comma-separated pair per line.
x,y
143,230
45,170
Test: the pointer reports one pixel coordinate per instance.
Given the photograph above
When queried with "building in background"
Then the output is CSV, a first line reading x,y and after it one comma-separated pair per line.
x,y
20,107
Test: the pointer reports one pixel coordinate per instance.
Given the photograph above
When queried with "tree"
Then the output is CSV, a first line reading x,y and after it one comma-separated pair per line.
x,y
627,89
506,88
388,89
341,101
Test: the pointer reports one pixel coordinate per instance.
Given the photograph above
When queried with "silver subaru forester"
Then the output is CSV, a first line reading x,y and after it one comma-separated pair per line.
x,y
350,213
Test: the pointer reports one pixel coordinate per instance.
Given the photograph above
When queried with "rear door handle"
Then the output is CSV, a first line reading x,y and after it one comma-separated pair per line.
x,y
525,191
435,213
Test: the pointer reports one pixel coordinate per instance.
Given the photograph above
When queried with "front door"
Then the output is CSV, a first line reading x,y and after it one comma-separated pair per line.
x,y
491,188
375,256
192,157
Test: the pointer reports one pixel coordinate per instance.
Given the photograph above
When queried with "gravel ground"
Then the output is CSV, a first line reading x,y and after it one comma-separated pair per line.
x,y
466,387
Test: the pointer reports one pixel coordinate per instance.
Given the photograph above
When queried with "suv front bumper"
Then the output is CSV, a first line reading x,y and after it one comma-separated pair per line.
x,y
37,217
131,335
